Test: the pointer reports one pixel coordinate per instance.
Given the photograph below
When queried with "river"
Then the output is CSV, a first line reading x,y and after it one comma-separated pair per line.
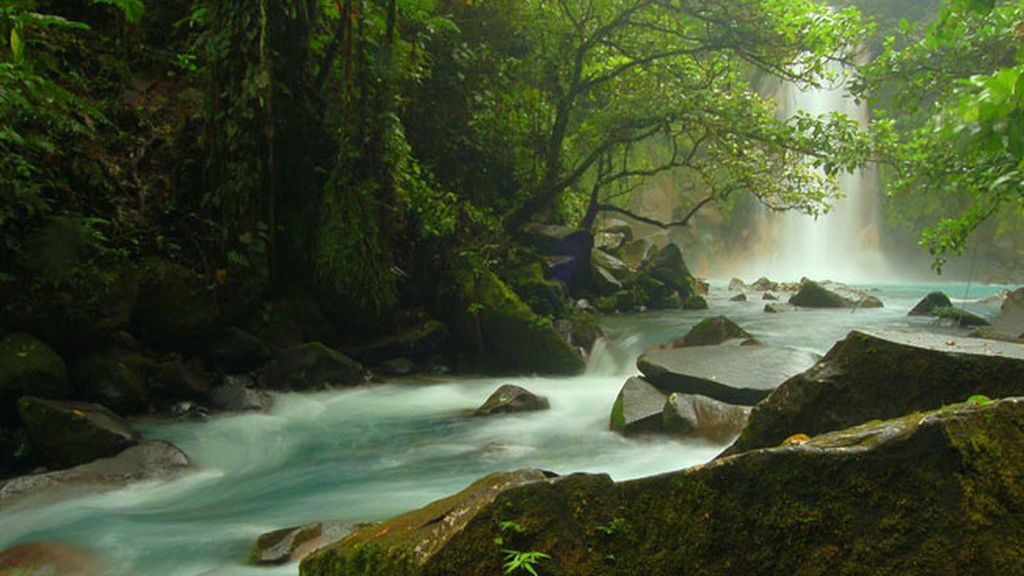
x,y
368,453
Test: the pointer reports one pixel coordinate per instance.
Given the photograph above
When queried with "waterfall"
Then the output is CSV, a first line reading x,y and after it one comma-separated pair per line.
x,y
841,245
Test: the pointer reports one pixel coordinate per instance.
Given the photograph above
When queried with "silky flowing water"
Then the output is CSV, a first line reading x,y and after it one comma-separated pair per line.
x,y
372,452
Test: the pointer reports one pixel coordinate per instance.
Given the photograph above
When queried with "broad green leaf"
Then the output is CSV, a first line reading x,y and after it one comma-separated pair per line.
x,y
17,47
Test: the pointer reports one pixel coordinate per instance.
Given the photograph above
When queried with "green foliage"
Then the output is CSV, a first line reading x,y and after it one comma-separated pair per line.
x,y
132,9
954,130
517,562
980,400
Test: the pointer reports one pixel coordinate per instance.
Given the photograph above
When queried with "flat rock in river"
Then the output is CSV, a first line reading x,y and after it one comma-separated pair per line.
x,y
156,460
880,375
638,408
741,375
832,295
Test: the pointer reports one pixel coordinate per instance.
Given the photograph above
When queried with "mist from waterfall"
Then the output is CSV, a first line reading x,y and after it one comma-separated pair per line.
x,y
844,243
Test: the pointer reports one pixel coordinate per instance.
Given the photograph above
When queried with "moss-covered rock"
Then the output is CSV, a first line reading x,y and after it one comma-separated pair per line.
x,y
292,544
398,545
960,317
29,367
871,376
936,493
832,295
504,335
176,308
667,266
711,331
928,304
72,433
116,379
510,398
293,319
312,366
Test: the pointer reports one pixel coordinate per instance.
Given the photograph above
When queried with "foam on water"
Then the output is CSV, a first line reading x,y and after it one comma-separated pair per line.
x,y
369,453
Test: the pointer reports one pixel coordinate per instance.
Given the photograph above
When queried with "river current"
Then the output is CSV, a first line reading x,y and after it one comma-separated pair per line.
x,y
369,453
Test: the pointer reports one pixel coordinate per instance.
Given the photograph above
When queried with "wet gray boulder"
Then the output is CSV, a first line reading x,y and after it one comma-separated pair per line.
x,y
236,394
741,375
737,285
28,366
312,366
763,284
638,408
880,375
72,433
155,460
1010,321
960,317
832,295
928,304
510,398
695,415
295,543
711,331
930,493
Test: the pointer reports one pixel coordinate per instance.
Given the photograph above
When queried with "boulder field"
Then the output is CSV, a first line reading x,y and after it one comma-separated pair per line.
x,y
927,493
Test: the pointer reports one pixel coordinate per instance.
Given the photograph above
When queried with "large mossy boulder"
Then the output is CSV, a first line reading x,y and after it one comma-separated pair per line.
x,y
510,398
116,379
930,493
731,373
72,433
155,460
870,376
176,308
29,367
504,335
292,319
638,408
832,295
711,331
928,304
417,536
667,266
312,366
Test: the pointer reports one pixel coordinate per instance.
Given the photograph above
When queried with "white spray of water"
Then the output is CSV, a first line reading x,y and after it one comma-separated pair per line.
x,y
841,245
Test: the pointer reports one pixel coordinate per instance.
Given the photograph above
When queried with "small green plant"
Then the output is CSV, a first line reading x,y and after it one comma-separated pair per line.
x,y
516,561
980,400
612,528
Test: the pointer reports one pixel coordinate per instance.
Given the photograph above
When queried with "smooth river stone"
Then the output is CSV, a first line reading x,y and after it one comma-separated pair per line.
x,y
741,375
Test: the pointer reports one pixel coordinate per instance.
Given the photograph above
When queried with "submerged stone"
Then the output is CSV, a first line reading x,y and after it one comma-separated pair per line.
x,y
49,559
741,375
832,295
960,317
934,493
511,398
883,375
